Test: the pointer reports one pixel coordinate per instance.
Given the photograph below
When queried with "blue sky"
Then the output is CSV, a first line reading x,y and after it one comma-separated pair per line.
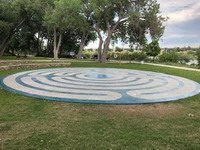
x,y
183,26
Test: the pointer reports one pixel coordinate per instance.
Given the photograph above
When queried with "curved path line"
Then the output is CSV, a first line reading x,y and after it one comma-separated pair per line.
x,y
159,65
175,67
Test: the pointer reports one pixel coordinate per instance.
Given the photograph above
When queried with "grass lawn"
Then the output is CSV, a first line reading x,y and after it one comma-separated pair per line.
x,y
29,123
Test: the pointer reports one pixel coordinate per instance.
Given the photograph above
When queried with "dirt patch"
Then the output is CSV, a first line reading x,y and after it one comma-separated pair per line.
x,y
152,111
155,111
23,130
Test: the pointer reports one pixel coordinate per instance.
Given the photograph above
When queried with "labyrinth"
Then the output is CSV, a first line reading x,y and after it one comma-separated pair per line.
x,y
100,85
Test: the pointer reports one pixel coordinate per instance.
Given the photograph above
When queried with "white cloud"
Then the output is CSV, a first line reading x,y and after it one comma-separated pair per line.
x,y
167,6
181,10
186,14
183,36
182,29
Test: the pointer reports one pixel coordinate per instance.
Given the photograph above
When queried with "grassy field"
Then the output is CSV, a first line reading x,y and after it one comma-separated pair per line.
x,y
29,123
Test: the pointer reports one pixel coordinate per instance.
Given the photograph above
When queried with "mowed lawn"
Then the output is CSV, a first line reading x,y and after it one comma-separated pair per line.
x,y
33,124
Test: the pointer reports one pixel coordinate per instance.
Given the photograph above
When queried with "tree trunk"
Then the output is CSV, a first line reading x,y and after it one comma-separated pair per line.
x,y
38,41
2,49
100,49
4,43
47,48
80,50
106,48
55,43
57,46
40,44
6,40
82,45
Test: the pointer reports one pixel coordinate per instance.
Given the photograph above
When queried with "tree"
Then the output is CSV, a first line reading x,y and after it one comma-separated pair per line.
x,y
84,26
60,17
153,48
119,16
106,17
22,41
13,15
30,37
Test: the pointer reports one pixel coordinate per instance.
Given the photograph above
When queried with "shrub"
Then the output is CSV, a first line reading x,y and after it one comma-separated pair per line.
x,y
120,55
153,49
118,49
137,56
173,56
198,56
87,54
183,58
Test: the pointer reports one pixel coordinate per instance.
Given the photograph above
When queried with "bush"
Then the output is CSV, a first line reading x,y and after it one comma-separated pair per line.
x,y
118,55
184,58
173,56
128,56
117,49
153,49
139,56
198,56
87,54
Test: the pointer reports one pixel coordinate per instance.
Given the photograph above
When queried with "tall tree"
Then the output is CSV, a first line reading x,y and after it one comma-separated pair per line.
x,y
84,26
13,14
113,15
60,17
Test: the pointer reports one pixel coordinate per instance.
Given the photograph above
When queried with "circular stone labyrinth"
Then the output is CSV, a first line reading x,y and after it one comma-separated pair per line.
x,y
100,85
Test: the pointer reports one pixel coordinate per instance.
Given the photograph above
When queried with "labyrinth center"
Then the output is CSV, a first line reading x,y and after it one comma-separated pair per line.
x,y
100,85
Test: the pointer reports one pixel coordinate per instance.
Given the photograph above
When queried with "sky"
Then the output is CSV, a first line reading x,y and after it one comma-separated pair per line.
x,y
182,28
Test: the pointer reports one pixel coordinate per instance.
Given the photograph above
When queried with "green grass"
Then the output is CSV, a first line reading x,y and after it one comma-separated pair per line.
x,y
29,123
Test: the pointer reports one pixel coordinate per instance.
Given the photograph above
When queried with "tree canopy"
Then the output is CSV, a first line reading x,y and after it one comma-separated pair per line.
x,y
36,21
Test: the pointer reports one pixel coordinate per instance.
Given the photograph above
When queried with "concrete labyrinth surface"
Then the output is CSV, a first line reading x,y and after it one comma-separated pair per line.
x,y
100,85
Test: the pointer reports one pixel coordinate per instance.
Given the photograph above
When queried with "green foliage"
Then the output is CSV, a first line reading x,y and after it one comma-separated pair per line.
x,y
139,56
118,49
184,58
41,16
13,12
198,56
145,18
20,20
88,54
174,56
62,15
153,48
136,56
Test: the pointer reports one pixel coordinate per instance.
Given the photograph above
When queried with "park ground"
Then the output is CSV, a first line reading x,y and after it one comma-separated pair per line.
x,y
30,123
